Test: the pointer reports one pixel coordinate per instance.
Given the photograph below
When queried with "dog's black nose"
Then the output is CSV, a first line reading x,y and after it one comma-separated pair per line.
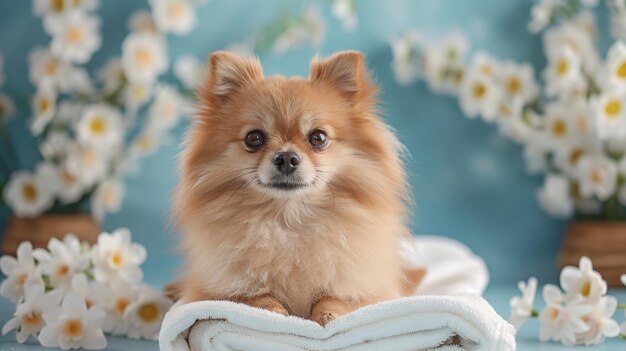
x,y
286,162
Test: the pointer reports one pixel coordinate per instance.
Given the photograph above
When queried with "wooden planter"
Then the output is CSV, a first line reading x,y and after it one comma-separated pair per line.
x,y
603,242
39,230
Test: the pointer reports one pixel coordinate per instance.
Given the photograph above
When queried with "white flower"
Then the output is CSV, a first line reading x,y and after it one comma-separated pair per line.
x,y
618,24
166,109
146,143
597,176
615,70
28,194
56,145
522,307
311,27
610,115
75,35
28,317
554,197
7,107
146,313
45,68
73,326
94,293
88,165
559,321
173,16
62,261
563,74
44,108
190,71
67,114
111,75
345,11
143,57
518,81
406,59
136,94
142,21
569,154
443,66
542,13
535,156
559,126
19,271
485,64
120,296
107,198
76,80
100,127
70,187
479,96
600,323
43,8
578,36
583,282
115,257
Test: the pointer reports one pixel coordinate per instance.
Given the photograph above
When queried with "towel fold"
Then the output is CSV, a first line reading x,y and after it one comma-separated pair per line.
x,y
443,322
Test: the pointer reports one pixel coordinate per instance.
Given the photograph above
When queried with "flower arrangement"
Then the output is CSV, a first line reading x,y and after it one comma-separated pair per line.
x,y
69,295
88,128
572,127
579,312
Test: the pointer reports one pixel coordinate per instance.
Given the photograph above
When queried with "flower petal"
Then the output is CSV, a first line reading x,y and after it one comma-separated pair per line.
x,y
8,264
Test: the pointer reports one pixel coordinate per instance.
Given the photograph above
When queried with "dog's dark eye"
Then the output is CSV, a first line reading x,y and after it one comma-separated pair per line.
x,y
318,139
254,140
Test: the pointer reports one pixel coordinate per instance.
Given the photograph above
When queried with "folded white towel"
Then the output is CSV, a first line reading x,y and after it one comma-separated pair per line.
x,y
434,322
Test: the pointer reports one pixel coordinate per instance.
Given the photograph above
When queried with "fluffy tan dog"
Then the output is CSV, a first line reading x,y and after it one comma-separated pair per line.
x,y
292,192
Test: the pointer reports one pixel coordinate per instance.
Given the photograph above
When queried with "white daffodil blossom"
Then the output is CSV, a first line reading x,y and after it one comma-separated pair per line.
x,y
143,57
71,188
88,165
405,61
67,114
614,71
142,21
165,110
541,14
45,8
561,321
146,313
115,257
518,81
94,293
563,75
20,272
190,71
75,35
120,295
62,261
73,326
345,10
567,155
597,176
173,16
559,128
136,95
27,194
56,145
46,68
111,75
522,307
479,96
600,322
44,107
485,64
555,198
28,317
610,115
442,64
576,35
583,282
107,198
100,127
7,107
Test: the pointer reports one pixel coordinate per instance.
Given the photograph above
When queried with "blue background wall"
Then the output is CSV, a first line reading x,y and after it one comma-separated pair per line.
x,y
469,183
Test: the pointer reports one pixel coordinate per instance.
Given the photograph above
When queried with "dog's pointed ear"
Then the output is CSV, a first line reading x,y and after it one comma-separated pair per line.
x,y
229,72
344,71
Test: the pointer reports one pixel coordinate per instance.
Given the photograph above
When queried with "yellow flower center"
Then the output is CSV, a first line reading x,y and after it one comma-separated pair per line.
x,y
21,280
479,90
612,108
29,191
586,290
148,312
621,70
596,176
43,105
32,319
97,126
138,91
554,313
76,2
56,5
559,128
582,123
575,155
74,35
72,329
562,67
513,85
50,68
88,156
120,305
176,9
485,69
143,57
116,259
67,177
62,270
144,143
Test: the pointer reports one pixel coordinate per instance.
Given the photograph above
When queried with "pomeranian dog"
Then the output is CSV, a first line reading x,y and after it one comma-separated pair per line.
x,y
292,194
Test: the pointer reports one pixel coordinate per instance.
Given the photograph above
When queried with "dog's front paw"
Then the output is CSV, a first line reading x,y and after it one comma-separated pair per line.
x,y
323,318
327,309
268,302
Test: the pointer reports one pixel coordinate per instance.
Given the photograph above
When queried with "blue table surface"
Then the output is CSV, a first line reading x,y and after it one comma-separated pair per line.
x,y
497,295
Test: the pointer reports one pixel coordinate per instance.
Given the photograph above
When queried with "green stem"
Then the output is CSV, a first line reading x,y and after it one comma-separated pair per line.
x,y
534,314
621,306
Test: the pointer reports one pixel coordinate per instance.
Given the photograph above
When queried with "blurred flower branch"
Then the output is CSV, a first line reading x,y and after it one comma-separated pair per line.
x,y
572,127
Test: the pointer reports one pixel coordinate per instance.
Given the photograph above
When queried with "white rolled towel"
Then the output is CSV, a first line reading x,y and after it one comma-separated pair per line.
x,y
455,318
